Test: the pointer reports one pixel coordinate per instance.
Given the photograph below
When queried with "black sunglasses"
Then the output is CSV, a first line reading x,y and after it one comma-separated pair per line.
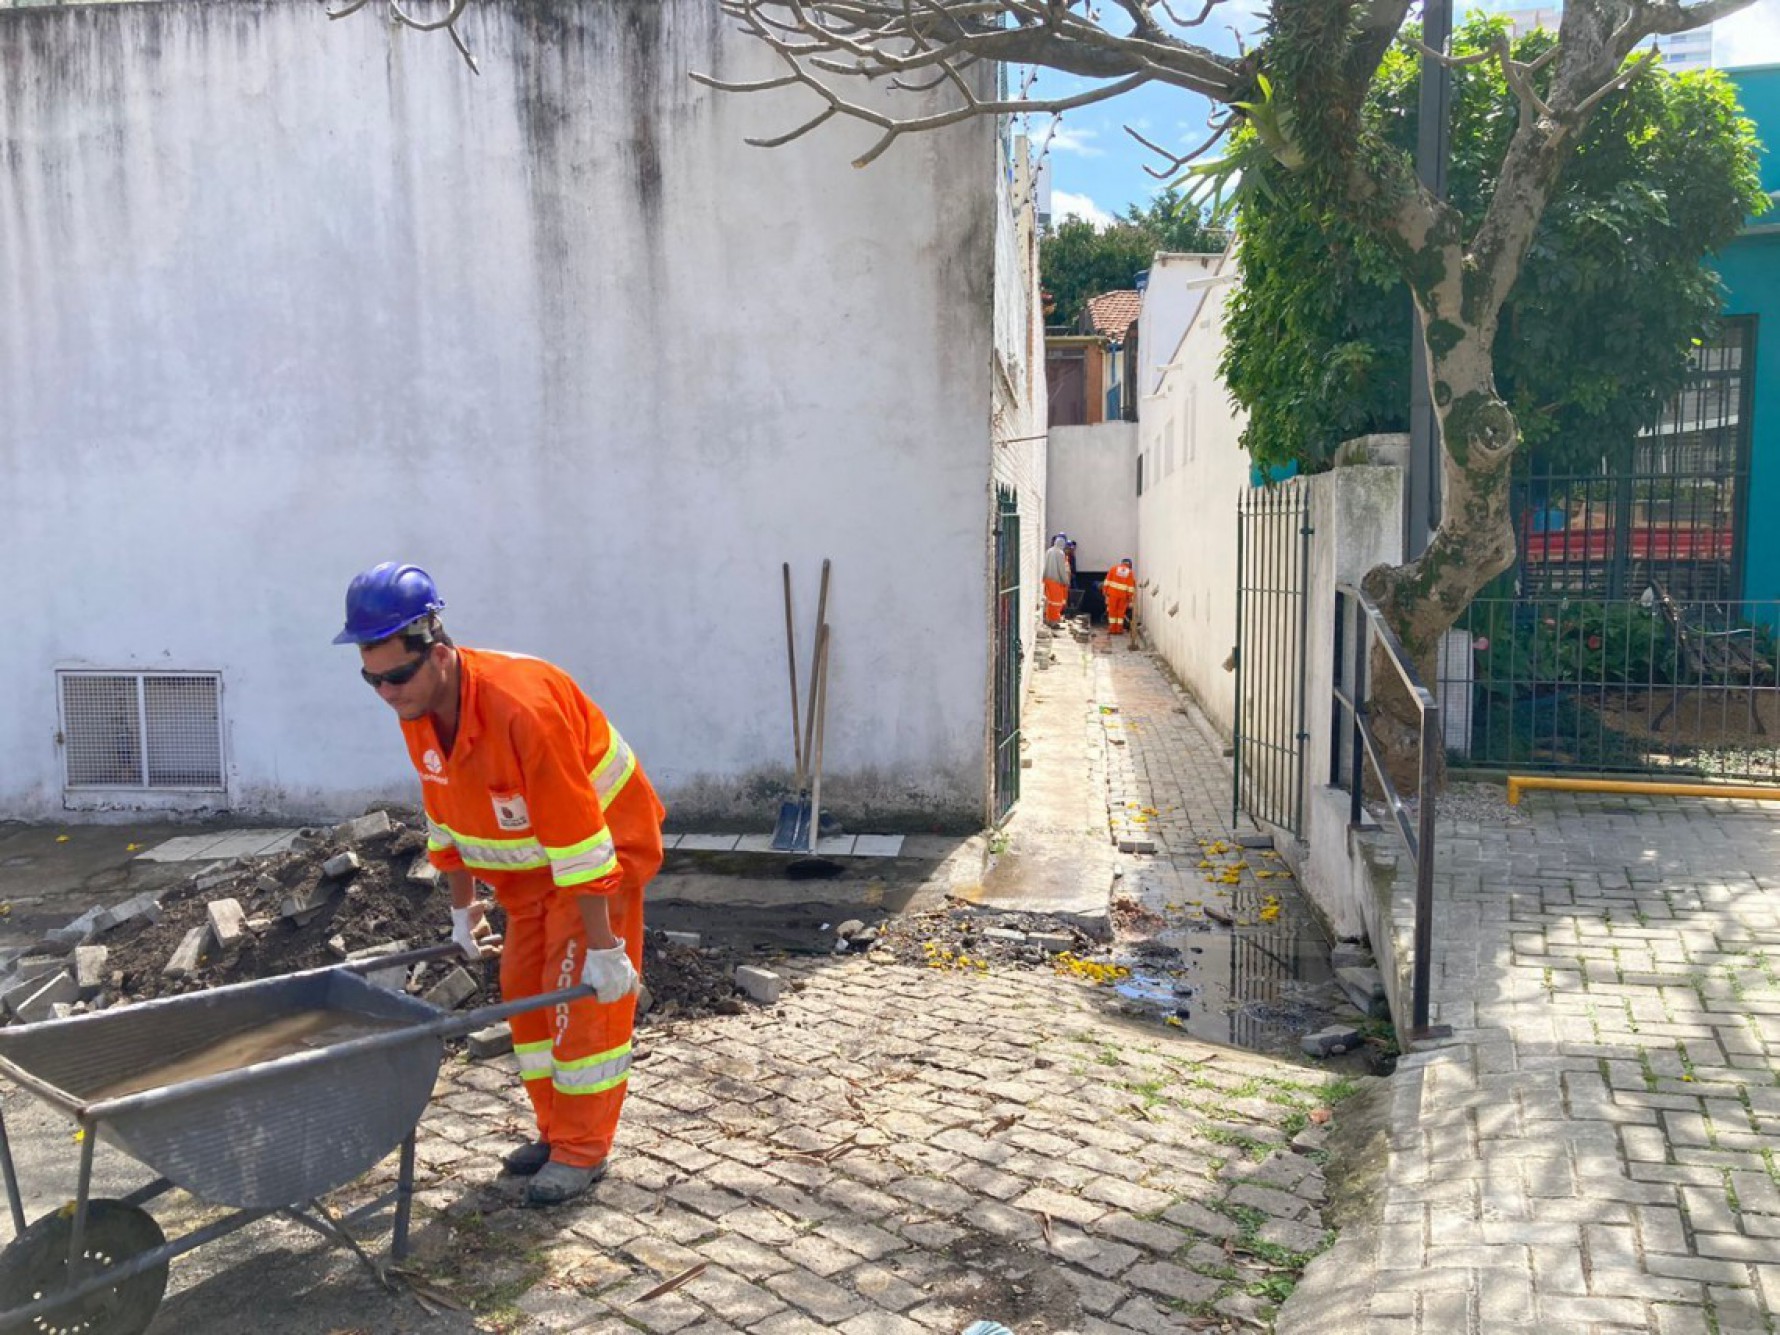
x,y
396,676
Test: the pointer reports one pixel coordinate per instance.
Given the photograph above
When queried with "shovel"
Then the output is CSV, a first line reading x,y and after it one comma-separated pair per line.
x,y
792,832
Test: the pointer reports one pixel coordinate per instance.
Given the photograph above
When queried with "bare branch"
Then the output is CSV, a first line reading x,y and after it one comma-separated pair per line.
x,y
1671,16
1178,161
402,17
1450,62
1519,79
1631,71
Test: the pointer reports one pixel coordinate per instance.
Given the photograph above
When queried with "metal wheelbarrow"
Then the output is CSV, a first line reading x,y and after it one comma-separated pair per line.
x,y
261,1096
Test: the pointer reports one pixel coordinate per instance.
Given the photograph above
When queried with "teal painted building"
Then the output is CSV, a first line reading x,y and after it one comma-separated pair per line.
x,y
1750,266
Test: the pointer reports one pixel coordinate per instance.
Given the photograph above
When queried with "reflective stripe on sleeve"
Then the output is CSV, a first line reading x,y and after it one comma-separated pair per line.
x,y
535,1062
614,769
595,1074
438,838
589,860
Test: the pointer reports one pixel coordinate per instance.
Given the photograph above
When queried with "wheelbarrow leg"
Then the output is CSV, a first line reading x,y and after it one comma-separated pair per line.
x,y
398,1244
77,1236
12,1181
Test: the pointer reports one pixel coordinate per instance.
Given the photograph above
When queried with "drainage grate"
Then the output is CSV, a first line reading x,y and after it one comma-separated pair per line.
x,y
142,729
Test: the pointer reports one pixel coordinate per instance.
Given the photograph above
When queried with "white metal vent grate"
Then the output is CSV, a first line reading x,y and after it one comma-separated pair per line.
x,y
142,729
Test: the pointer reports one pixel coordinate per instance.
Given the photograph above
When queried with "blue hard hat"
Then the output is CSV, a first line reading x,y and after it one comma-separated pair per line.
x,y
385,598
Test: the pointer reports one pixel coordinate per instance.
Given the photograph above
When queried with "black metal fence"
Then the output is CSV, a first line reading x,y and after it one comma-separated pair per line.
x,y
1660,684
1008,653
1273,536
1671,513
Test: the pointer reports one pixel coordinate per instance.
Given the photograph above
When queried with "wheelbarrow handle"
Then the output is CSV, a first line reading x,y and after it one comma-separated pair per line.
x,y
424,955
483,1016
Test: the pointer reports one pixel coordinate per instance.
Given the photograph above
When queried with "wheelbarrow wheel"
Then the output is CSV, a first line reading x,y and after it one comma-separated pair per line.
x,y
35,1265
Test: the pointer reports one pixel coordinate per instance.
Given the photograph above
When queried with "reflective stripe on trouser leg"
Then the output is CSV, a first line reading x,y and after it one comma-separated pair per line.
x,y
591,1052
522,975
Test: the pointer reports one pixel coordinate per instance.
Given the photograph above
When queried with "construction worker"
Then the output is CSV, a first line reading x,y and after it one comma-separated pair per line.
x,y
529,789
1056,580
1118,588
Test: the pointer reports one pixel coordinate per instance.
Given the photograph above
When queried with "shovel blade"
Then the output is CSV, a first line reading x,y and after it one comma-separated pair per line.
x,y
792,833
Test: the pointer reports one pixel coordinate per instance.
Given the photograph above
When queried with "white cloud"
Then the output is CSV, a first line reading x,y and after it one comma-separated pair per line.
x,y
1069,139
1748,37
1065,205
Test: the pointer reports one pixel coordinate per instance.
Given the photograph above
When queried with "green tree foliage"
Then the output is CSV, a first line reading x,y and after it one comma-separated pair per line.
x,y
1078,260
1596,333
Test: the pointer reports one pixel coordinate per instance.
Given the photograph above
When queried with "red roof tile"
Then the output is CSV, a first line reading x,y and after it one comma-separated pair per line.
x,y
1113,313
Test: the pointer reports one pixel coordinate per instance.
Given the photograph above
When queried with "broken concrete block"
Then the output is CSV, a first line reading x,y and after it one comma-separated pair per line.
x,y
63,1011
191,949
422,871
301,908
762,985
645,1000
1328,1042
56,989
209,880
1052,943
849,929
258,925
683,939
228,923
1136,843
61,940
337,947
1007,934
490,1042
363,827
1365,988
452,990
137,906
29,969
341,864
89,968
393,979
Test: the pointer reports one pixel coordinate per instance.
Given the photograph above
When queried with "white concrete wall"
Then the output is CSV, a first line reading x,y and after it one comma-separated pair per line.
x,y
281,298
1171,302
1195,471
1020,400
1357,513
1093,491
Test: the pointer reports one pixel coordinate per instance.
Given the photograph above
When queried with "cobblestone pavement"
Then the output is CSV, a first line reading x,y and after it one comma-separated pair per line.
x,y
887,1151
1594,1150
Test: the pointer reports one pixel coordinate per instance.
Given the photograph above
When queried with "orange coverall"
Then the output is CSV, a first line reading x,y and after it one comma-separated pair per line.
x,y
1118,586
541,798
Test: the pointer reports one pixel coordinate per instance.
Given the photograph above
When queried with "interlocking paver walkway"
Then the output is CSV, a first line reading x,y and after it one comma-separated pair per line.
x,y
1594,1150
889,1150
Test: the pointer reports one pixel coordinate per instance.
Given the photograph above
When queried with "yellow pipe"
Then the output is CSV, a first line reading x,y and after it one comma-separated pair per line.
x,y
1517,783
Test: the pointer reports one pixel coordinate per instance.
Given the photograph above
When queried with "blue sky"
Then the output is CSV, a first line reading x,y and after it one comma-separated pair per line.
x,y
1097,169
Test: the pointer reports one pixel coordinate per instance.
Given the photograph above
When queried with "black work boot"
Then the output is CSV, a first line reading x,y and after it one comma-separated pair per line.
x,y
558,1182
527,1159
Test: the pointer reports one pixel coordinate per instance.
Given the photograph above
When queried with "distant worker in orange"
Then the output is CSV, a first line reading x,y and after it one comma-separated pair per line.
x,y
1056,578
528,788
1118,588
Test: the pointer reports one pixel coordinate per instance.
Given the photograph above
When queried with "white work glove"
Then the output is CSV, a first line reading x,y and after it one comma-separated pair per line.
x,y
472,934
610,974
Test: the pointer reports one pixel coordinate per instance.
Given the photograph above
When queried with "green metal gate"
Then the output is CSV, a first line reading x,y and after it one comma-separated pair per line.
x,y
1007,651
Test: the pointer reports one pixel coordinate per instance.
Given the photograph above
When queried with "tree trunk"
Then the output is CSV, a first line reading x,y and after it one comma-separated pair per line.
x,y
1474,543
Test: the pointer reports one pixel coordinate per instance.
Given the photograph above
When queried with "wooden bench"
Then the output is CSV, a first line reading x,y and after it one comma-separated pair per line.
x,y
1728,658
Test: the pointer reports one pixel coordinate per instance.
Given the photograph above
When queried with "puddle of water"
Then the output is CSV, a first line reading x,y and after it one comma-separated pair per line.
x,y
277,1038
1260,985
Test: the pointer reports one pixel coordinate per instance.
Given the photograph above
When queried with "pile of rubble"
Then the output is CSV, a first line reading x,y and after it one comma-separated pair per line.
x,y
362,889
969,938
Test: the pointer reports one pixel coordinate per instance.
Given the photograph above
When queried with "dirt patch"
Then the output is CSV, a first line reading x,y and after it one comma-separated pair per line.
x,y
1002,1281
389,897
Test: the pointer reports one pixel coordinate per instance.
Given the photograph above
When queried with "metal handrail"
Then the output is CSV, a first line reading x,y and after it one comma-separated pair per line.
x,y
1417,836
